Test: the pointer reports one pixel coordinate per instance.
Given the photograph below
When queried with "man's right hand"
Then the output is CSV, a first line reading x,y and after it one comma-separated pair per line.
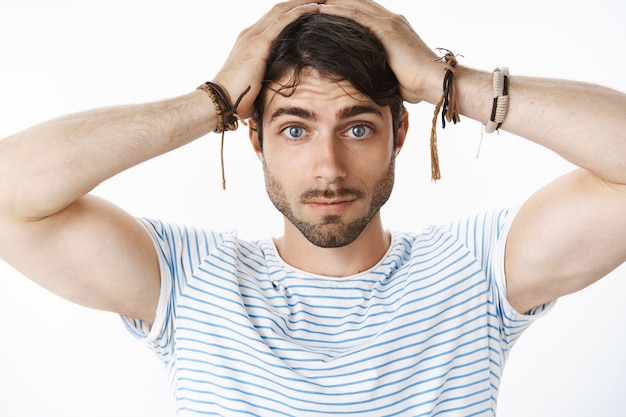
x,y
246,63
84,248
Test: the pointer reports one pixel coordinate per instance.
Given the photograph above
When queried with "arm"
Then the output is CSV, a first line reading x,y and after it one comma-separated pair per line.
x,y
79,246
570,233
75,245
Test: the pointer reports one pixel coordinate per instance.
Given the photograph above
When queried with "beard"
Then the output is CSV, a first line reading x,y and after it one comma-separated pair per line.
x,y
332,231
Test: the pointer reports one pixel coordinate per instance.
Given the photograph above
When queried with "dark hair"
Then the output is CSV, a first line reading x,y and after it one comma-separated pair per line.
x,y
339,49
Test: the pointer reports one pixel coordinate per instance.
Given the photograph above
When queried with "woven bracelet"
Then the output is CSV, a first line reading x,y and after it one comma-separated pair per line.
x,y
227,117
500,104
449,111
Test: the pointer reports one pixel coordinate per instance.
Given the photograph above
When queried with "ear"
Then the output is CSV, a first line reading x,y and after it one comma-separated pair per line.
x,y
402,131
254,138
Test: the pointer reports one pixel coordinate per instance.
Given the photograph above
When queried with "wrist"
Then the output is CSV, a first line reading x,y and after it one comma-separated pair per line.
x,y
226,112
474,93
204,111
432,84
473,87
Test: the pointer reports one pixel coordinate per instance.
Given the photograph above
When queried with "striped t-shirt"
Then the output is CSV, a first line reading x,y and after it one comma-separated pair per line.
x,y
424,332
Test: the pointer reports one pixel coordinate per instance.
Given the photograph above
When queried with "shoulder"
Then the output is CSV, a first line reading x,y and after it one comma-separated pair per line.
x,y
472,230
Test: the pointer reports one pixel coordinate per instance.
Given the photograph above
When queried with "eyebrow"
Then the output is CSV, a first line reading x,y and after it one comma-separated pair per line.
x,y
293,111
342,114
348,112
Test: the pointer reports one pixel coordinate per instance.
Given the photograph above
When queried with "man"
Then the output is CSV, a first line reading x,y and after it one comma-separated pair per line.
x,y
329,167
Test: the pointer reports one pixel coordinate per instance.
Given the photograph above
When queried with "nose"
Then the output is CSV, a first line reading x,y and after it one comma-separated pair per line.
x,y
329,159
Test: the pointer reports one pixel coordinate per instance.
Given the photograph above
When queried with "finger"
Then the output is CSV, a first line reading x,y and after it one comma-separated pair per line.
x,y
367,16
367,6
284,19
408,56
292,9
376,18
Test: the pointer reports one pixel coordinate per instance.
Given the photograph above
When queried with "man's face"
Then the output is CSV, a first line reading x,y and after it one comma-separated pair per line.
x,y
328,159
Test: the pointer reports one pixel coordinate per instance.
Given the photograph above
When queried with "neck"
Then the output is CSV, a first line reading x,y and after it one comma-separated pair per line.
x,y
365,252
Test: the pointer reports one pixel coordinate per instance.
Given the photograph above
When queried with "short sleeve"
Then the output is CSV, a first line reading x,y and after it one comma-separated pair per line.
x,y
514,322
180,250
485,235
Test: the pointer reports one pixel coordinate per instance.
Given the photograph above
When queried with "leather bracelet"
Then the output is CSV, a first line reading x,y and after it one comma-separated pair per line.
x,y
227,117
448,107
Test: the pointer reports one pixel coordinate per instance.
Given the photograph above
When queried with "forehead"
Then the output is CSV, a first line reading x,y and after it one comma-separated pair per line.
x,y
316,92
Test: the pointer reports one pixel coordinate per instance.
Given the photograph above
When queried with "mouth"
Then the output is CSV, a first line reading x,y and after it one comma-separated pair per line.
x,y
329,207
329,201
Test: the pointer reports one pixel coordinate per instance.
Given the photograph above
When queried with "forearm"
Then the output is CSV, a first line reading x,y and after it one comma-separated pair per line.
x,y
583,123
47,167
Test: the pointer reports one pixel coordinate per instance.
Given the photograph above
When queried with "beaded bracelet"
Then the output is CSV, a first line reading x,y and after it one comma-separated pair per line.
x,y
500,105
227,117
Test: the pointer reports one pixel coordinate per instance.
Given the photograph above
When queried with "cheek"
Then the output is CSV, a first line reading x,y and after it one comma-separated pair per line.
x,y
273,152
284,162
277,166
279,177
372,165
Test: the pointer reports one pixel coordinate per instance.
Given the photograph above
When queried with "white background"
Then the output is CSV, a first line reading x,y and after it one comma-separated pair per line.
x,y
58,359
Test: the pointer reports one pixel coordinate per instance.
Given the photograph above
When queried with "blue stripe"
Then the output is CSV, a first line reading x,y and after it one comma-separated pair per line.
x,y
424,332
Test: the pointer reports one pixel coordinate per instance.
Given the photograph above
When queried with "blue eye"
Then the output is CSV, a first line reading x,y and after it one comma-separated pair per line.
x,y
294,132
359,131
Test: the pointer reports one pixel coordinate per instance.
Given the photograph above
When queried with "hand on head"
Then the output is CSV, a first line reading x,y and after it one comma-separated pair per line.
x,y
245,65
412,61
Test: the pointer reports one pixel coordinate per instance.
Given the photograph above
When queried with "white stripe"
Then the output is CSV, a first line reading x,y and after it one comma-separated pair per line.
x,y
425,331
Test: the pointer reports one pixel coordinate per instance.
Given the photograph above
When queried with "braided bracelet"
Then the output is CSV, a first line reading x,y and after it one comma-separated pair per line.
x,y
449,111
227,117
500,99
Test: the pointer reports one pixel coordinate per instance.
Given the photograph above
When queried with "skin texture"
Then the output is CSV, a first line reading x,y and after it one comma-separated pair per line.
x,y
565,237
77,245
331,180
570,233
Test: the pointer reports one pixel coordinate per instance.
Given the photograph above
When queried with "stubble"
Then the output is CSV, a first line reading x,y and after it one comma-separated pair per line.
x,y
332,231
